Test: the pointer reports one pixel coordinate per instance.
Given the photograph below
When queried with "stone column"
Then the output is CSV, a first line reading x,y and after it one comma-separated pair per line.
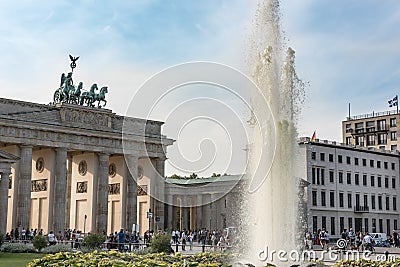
x,y
60,190
68,195
185,211
102,194
199,211
159,202
24,187
131,193
4,199
170,211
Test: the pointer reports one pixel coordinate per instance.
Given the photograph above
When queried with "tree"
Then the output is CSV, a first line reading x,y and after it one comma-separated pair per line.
x,y
193,176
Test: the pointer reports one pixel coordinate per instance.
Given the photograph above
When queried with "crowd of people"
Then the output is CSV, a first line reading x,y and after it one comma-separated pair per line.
x,y
212,238
127,241
354,240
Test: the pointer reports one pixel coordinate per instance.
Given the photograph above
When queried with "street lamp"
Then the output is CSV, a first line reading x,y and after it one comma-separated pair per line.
x,y
149,216
84,226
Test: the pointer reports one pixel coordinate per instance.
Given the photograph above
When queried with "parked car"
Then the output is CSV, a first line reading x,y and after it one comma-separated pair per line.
x,y
379,237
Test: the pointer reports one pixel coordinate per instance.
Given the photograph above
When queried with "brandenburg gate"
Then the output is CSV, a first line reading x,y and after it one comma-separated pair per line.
x,y
77,165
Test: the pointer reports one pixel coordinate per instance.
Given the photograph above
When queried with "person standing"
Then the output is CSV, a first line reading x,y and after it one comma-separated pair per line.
x,y
121,240
52,238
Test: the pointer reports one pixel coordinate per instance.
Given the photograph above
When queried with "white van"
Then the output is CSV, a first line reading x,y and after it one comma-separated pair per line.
x,y
379,237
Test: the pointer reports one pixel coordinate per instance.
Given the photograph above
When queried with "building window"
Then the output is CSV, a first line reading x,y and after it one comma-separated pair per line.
x,y
393,136
341,202
340,159
348,140
364,179
373,202
379,181
381,225
360,140
364,162
387,203
331,176
382,138
314,198
378,164
340,177
380,202
323,222
394,224
313,176
372,180
341,223
357,179
373,225
349,178
370,140
385,165
393,183
348,160
315,223
365,200
357,200
371,163
350,222
323,199
349,200
388,226
318,175
356,161
393,147
386,182
322,156
366,225
359,127
332,226
330,157
394,203
313,155
381,125
393,166
393,124
332,199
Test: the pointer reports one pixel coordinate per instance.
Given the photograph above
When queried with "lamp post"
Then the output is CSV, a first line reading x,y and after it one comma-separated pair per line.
x,y
84,226
149,216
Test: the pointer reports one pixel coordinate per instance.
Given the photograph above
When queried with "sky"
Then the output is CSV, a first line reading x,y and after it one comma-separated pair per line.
x,y
347,50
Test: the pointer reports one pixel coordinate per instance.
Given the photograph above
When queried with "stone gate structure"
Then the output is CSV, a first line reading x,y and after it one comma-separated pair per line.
x,y
70,169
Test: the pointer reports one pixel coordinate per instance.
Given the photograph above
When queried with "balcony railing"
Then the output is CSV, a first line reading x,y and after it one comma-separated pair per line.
x,y
361,209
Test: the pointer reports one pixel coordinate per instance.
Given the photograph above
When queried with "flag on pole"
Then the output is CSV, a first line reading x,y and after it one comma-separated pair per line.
x,y
393,102
314,137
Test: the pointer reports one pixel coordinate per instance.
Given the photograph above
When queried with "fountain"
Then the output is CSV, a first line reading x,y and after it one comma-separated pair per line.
x,y
271,211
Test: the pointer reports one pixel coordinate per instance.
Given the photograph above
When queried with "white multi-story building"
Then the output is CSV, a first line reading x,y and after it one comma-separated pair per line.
x,y
350,187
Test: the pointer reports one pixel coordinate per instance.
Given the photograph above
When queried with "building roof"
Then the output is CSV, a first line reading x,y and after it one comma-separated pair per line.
x,y
222,178
326,143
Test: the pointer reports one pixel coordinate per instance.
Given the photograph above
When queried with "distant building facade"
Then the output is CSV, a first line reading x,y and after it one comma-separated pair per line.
x,y
350,187
379,130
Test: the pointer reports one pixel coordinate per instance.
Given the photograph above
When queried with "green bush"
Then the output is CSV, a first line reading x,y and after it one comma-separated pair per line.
x,y
118,259
57,248
18,248
363,263
94,241
161,243
39,242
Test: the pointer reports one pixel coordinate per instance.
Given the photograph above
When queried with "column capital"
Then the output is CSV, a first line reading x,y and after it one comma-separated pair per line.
x,y
25,146
61,149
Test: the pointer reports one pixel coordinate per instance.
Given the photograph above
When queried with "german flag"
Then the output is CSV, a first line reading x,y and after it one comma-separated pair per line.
x,y
314,137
